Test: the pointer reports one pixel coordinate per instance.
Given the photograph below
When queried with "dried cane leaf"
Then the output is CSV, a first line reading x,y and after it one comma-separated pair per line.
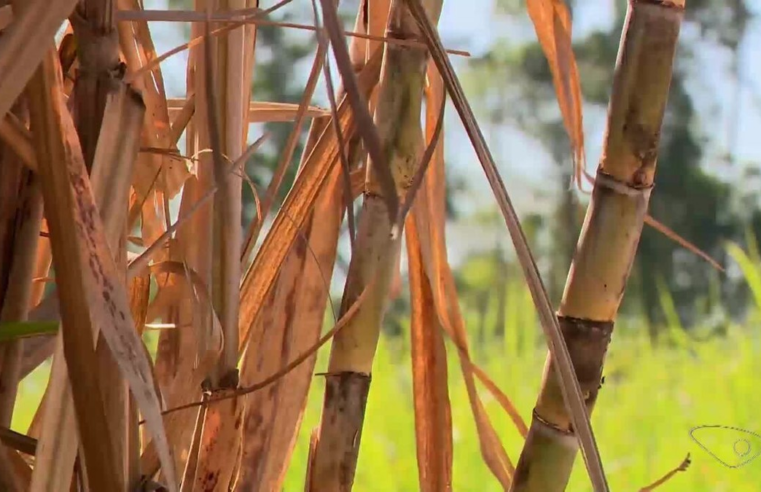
x,y
24,44
570,384
139,51
262,273
680,468
429,215
296,310
552,23
93,292
58,442
287,153
433,418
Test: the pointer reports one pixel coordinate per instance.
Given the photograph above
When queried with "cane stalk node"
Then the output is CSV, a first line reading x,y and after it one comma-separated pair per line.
x,y
97,48
634,189
548,429
587,342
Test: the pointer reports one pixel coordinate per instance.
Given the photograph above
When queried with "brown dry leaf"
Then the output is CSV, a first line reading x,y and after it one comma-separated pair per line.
x,y
286,155
377,19
182,380
197,37
59,440
140,289
24,43
669,233
262,274
502,399
15,135
220,443
6,16
63,186
556,344
11,478
258,111
289,324
181,116
92,293
263,112
552,23
200,291
433,418
191,465
428,213
20,467
293,364
314,439
137,46
680,468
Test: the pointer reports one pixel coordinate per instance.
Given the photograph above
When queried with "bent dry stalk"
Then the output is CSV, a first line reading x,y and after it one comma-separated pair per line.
x,y
348,380
609,237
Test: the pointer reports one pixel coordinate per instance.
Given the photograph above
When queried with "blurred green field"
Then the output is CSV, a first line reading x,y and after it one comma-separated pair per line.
x,y
651,400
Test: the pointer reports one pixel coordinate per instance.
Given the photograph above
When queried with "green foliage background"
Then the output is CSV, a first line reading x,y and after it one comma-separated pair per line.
x,y
651,399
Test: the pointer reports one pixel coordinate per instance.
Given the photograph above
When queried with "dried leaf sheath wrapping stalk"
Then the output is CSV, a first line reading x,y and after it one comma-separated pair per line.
x,y
609,238
376,253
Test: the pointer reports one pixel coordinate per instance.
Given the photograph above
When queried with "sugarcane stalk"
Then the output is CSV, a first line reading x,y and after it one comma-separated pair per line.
x,y
233,89
353,349
609,237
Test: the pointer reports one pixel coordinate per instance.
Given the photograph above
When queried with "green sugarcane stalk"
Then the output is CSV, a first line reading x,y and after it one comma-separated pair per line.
x,y
609,237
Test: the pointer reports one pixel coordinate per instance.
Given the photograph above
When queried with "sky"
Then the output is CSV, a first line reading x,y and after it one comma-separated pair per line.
x,y
473,26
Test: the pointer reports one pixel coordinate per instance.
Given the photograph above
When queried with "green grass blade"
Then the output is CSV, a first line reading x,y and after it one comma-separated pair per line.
x,y
13,330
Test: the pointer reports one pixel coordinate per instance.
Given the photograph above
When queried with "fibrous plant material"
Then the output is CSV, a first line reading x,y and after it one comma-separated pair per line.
x,y
429,216
273,417
433,418
570,385
20,218
377,249
609,238
93,300
261,275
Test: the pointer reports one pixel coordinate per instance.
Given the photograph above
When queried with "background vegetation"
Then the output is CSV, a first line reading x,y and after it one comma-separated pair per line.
x,y
686,349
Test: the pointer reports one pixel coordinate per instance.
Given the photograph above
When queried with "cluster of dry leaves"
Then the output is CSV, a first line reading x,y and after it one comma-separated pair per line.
x,y
90,137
